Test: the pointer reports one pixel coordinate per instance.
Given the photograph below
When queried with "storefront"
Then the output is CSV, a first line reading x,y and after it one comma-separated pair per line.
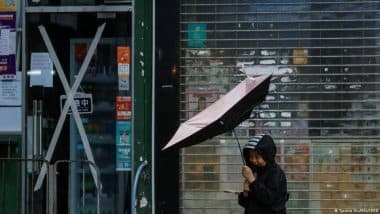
x,y
82,97
322,108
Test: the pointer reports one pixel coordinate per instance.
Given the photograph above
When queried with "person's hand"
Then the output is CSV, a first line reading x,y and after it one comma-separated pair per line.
x,y
248,174
245,188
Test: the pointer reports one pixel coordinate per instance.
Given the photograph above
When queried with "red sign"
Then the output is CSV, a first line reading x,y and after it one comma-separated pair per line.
x,y
123,55
123,108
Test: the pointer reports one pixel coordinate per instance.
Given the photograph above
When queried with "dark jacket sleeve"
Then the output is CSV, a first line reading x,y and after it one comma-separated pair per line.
x,y
268,190
243,201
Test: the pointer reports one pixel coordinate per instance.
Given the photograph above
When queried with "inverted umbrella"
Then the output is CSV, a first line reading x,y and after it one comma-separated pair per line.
x,y
223,115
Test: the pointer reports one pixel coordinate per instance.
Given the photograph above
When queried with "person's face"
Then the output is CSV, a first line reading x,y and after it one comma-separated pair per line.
x,y
256,159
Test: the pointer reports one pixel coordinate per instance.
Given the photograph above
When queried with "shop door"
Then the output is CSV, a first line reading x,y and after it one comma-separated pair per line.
x,y
105,86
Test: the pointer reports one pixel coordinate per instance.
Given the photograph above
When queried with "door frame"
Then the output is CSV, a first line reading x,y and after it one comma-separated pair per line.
x,y
146,44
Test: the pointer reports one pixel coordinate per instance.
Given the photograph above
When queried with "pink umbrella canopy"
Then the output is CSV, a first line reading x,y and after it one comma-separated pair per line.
x,y
224,114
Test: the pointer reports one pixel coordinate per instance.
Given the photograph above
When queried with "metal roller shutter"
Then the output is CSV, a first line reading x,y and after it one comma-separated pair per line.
x,y
323,108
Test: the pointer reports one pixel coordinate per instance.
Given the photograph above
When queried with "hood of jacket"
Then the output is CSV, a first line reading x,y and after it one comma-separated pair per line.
x,y
264,145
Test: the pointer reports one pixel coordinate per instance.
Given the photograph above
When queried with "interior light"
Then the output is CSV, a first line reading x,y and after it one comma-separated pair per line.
x,y
34,72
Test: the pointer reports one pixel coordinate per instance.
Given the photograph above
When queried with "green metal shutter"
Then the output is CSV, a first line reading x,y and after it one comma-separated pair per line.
x,y
322,109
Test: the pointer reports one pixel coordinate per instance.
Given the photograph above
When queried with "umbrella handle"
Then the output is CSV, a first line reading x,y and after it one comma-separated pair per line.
x,y
241,152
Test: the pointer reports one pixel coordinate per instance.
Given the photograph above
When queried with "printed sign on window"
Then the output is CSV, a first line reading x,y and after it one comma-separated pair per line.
x,y
197,35
123,108
123,146
41,70
8,5
123,65
83,102
7,45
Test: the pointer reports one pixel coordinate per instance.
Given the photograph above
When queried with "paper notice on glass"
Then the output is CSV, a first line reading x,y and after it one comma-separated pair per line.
x,y
7,54
4,42
7,45
123,74
10,91
41,70
123,62
123,146
123,108
12,42
123,55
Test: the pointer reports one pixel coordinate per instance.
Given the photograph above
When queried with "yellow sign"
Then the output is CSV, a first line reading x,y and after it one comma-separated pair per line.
x,y
8,5
300,56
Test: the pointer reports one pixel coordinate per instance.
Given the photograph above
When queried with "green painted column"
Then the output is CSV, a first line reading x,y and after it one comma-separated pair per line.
x,y
142,121
10,175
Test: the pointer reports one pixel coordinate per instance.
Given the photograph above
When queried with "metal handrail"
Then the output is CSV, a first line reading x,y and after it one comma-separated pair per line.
x,y
135,185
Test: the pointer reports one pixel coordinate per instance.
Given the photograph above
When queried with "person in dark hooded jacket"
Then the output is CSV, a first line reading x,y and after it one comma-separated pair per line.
x,y
265,185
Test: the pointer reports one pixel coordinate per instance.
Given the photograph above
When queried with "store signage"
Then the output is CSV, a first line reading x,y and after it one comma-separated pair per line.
x,y
123,108
123,146
11,91
7,45
8,5
197,35
123,67
300,56
83,102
